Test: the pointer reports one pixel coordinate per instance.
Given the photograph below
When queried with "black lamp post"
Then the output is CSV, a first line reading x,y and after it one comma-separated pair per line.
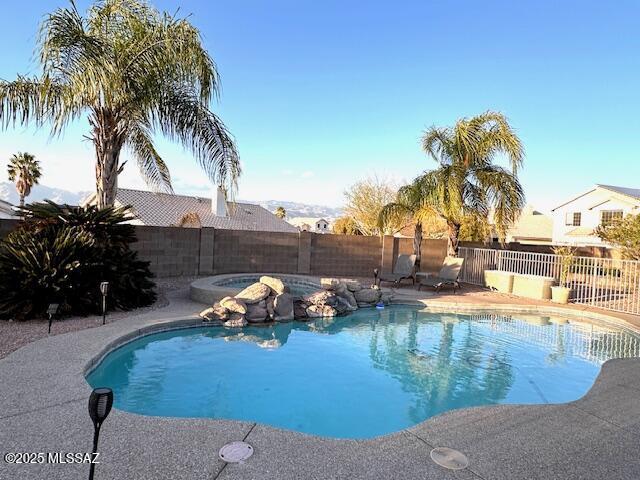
x,y
104,289
100,403
51,311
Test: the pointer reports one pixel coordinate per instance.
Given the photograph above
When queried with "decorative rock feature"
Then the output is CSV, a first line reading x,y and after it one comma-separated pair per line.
x,y
315,311
353,285
329,283
215,313
283,308
367,296
236,320
270,307
257,312
275,284
269,300
234,305
254,293
322,297
300,309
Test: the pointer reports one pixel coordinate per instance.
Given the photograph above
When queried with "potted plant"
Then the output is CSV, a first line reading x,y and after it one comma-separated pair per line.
x,y
561,292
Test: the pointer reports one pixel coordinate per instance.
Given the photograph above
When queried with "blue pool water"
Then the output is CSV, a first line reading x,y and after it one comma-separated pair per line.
x,y
367,374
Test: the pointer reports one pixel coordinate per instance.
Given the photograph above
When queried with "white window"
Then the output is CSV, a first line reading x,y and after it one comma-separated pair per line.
x,y
607,217
573,219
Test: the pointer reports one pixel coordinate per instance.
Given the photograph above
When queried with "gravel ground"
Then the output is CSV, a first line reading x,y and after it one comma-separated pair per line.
x,y
14,335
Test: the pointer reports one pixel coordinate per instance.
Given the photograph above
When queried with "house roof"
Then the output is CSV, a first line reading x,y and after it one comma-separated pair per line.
x,y
167,210
6,207
580,232
628,192
532,225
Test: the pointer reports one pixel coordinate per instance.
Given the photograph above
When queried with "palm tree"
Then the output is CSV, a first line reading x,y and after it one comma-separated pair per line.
x,y
281,212
468,184
24,170
410,206
133,72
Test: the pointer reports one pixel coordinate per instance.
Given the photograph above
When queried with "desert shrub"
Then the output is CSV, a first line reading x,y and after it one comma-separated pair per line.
x,y
61,253
623,234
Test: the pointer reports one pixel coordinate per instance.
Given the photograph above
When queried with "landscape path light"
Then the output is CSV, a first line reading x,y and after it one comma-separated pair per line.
x,y
51,311
104,289
100,403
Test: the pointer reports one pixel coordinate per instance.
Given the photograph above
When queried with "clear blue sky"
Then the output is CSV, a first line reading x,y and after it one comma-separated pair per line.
x,y
320,94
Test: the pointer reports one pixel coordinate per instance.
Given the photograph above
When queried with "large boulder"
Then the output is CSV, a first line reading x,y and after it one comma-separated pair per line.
x,y
235,305
300,309
342,307
236,320
215,313
348,298
329,283
274,284
353,285
367,295
254,293
386,298
257,312
321,297
316,311
283,308
270,300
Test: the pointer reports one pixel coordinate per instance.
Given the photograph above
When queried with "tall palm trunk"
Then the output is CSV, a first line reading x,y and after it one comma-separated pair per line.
x,y
417,242
108,143
454,240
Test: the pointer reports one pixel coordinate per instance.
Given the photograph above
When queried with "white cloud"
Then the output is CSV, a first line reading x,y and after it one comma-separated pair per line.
x,y
307,174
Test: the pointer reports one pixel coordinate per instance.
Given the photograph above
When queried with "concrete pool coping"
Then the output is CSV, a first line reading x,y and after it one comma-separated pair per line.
x,y
43,409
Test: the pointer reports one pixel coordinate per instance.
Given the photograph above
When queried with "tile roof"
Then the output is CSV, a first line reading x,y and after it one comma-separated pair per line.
x,y
629,192
165,210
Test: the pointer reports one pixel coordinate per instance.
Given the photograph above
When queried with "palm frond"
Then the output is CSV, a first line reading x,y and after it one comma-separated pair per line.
x,y
182,117
152,167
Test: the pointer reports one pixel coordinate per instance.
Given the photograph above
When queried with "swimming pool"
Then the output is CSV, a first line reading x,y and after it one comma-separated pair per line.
x,y
367,374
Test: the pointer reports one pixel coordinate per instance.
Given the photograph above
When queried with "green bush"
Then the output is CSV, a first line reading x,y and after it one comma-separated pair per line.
x,y
61,253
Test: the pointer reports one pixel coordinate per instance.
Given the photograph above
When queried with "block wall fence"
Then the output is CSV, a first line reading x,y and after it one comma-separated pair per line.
x,y
176,251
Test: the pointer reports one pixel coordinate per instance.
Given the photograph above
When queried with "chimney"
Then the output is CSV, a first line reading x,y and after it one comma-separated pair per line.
x,y
218,202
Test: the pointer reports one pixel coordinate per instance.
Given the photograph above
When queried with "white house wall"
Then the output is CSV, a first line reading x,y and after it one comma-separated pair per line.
x,y
590,206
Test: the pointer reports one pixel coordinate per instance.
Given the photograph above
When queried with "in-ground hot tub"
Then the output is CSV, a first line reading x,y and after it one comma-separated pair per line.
x,y
211,289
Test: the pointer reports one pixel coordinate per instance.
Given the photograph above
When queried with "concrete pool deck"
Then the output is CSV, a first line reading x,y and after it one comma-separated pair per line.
x,y
43,408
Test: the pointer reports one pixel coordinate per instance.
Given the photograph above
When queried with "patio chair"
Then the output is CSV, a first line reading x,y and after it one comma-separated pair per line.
x,y
402,270
448,275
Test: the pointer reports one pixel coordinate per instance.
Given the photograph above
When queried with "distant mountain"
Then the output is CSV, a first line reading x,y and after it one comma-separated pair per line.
x,y
296,209
41,192
58,195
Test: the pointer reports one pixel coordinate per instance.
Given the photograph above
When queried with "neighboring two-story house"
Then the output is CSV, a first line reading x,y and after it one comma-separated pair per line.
x,y
311,224
575,221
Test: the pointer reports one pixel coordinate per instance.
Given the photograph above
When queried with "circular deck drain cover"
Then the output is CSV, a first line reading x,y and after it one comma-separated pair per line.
x,y
235,452
449,458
